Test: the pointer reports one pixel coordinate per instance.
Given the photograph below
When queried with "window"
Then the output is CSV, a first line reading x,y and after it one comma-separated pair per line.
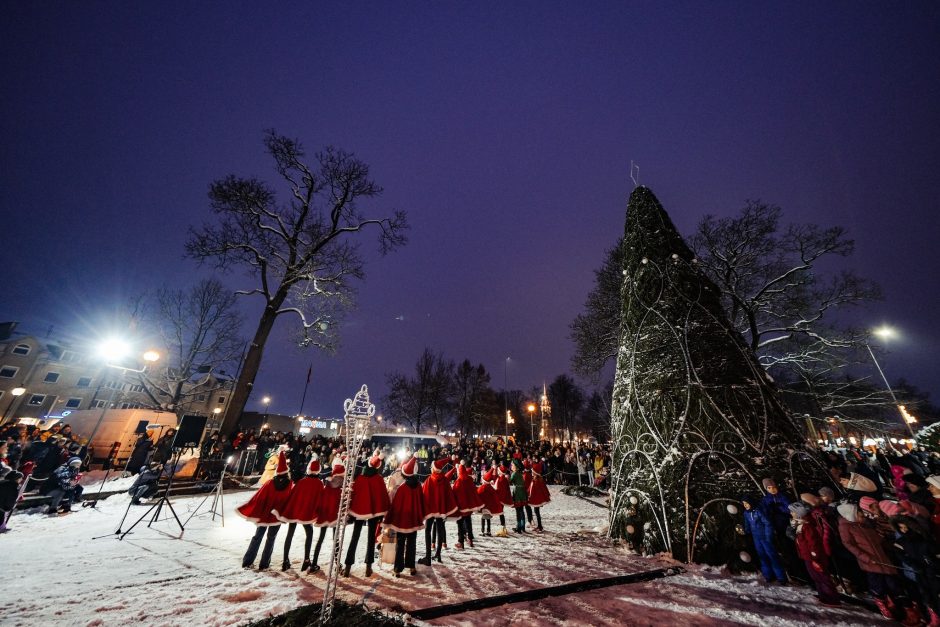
x,y
221,400
8,372
201,397
98,404
114,385
36,399
83,382
51,377
131,405
73,403
21,349
137,388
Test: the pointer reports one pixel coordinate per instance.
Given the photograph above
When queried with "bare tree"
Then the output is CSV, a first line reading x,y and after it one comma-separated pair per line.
x,y
199,330
596,332
474,401
425,399
300,253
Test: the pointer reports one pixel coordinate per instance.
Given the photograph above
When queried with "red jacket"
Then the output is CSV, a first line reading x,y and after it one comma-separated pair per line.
x,y
865,544
810,544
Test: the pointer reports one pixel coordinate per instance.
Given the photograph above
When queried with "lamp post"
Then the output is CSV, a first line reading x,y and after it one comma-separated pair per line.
x,y
886,333
15,393
266,401
531,408
113,350
506,394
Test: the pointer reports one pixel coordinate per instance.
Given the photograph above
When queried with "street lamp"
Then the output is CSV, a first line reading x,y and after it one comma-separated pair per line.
x,y
531,408
266,401
112,350
15,393
885,333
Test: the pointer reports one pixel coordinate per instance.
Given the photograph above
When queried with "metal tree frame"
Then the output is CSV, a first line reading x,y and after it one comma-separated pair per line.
x,y
359,412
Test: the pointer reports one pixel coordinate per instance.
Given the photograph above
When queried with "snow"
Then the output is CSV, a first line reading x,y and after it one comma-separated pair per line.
x,y
60,576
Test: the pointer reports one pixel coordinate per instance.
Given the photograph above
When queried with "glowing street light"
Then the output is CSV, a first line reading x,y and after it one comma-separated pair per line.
x,y
531,409
15,393
885,333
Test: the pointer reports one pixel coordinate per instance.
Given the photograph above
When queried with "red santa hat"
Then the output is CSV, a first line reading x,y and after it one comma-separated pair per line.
x,y
489,475
438,465
376,460
339,466
313,467
282,468
408,468
462,470
503,470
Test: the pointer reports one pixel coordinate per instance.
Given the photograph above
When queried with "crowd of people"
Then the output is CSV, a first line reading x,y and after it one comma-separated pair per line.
x,y
391,503
876,529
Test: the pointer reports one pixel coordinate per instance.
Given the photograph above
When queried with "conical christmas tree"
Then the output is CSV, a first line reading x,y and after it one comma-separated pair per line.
x,y
696,419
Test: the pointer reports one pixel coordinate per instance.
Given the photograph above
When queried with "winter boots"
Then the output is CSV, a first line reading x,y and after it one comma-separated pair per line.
x,y
502,533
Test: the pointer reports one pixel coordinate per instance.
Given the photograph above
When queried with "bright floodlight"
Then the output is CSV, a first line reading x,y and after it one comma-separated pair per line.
x,y
114,349
18,391
885,333
266,400
151,356
531,407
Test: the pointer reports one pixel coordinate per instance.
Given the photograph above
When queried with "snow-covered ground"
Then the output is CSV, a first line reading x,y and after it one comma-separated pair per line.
x,y
57,575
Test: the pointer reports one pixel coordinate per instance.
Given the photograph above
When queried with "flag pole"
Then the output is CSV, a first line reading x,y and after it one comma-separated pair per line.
x,y
306,385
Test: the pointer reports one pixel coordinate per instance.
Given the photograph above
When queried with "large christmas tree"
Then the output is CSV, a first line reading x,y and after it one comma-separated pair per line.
x,y
696,419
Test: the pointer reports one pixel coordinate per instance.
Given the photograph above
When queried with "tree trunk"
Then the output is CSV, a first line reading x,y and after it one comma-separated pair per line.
x,y
250,367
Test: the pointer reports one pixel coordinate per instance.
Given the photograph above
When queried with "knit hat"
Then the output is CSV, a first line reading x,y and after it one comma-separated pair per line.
x,y
313,467
849,511
75,461
768,482
408,468
799,510
890,508
860,483
376,460
828,493
438,465
810,499
749,499
866,503
281,464
489,475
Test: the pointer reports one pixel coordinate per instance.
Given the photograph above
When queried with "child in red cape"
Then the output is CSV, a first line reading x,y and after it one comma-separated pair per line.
x,y
260,509
369,504
538,492
468,501
491,504
328,508
439,503
406,517
301,509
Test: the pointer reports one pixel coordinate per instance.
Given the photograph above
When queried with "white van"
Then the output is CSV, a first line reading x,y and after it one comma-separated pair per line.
x,y
400,442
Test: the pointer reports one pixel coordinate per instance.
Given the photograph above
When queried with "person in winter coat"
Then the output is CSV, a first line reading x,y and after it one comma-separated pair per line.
x,y
776,506
439,504
138,458
145,485
919,553
64,486
917,491
9,493
539,495
406,517
519,497
468,501
301,508
933,486
527,480
492,506
813,550
368,506
260,510
163,450
759,527
504,494
861,539
328,508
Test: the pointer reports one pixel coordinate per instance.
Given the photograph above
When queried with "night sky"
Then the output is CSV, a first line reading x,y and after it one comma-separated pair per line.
x,y
506,130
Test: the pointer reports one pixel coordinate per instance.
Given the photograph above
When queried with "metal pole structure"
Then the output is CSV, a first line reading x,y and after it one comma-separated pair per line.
x,y
359,412
890,390
506,395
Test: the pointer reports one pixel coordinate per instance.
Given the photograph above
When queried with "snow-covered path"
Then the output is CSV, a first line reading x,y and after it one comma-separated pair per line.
x,y
57,575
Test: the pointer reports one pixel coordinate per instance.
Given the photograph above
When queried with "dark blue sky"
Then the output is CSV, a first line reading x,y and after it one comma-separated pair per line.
x,y
506,131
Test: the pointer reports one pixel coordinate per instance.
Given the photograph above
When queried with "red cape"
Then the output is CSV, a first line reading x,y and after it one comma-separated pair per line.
x,y
491,504
328,508
302,504
527,478
369,497
465,491
260,508
538,492
407,510
439,501
503,493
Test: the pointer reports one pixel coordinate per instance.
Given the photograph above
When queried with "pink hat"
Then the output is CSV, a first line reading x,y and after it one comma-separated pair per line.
x,y
890,508
867,503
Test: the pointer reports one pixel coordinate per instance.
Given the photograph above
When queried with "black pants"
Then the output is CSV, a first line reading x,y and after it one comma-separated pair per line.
x,y
405,550
520,518
255,543
316,551
434,526
370,541
528,513
538,517
464,529
308,532
485,526
60,496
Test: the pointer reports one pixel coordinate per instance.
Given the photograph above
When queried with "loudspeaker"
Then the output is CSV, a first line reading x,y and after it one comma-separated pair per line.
x,y
141,427
189,431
